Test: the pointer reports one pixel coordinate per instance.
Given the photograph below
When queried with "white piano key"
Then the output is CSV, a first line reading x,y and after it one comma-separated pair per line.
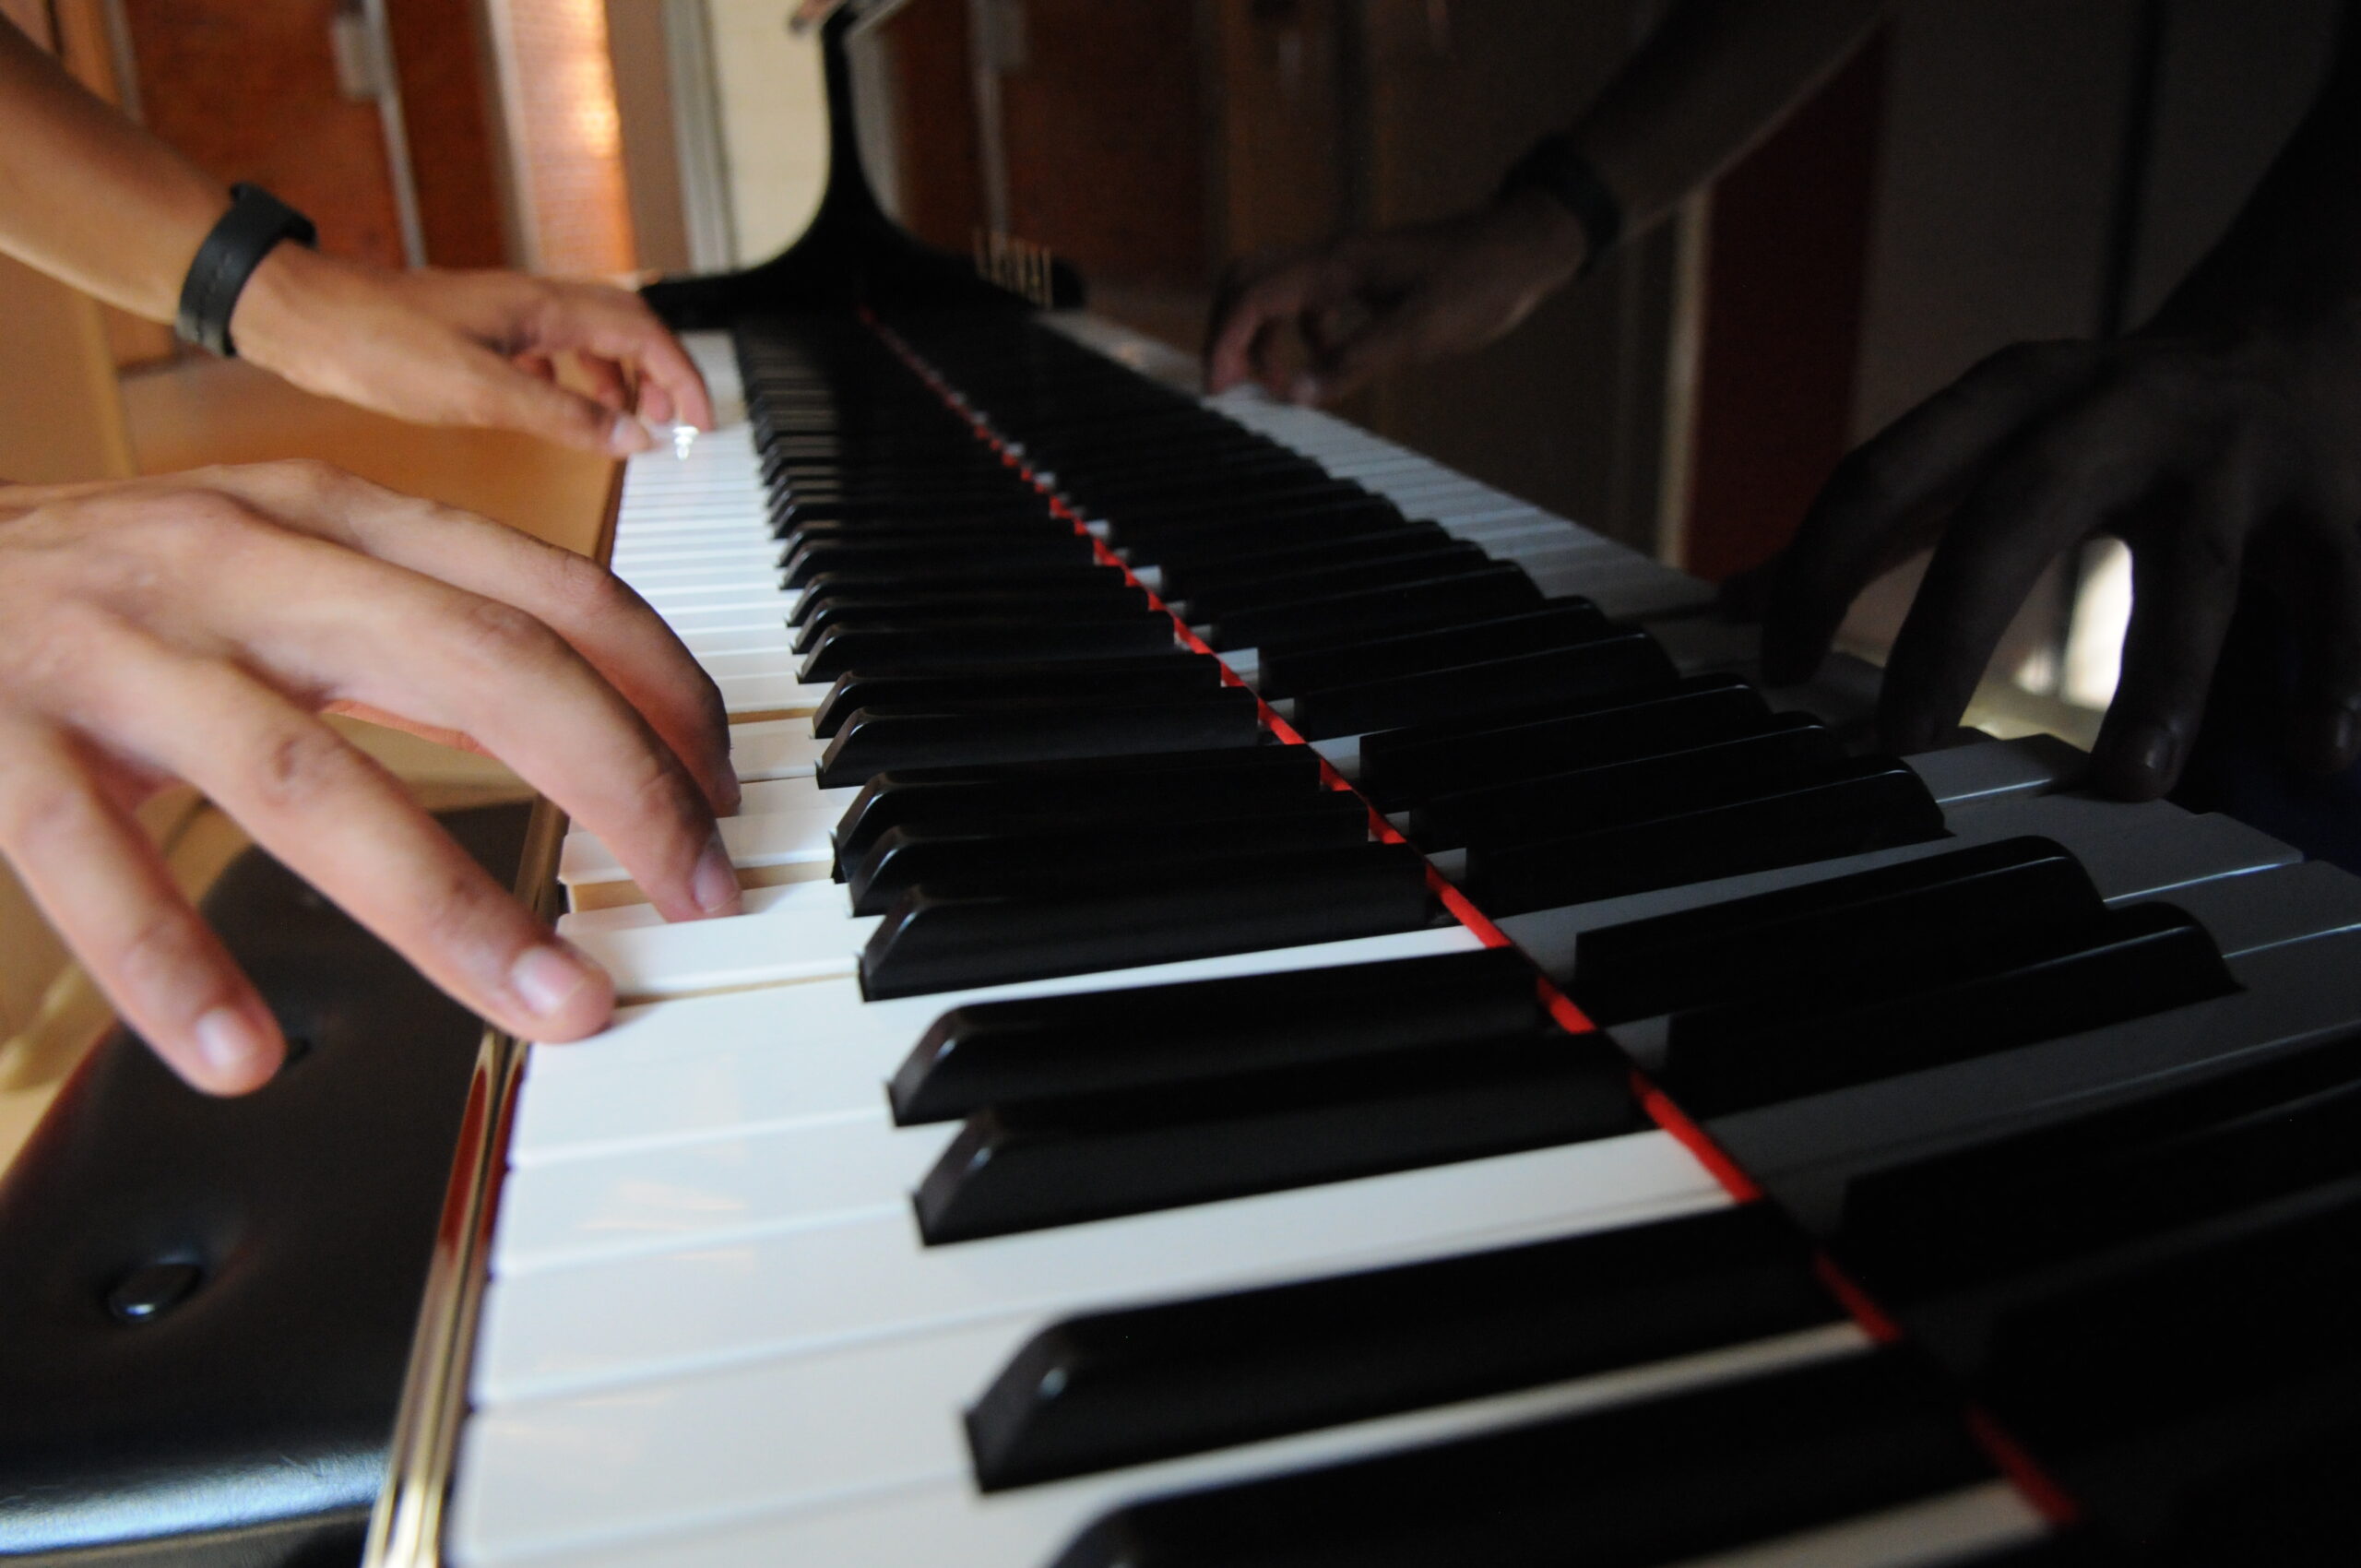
x,y
775,749
778,692
779,944
818,893
773,637
867,1276
725,617
714,1449
772,839
668,584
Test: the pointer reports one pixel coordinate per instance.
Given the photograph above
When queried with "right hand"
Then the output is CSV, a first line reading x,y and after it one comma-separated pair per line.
x,y
1371,303
194,625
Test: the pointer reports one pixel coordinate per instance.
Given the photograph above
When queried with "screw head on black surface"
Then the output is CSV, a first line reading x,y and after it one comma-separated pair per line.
x,y
151,1290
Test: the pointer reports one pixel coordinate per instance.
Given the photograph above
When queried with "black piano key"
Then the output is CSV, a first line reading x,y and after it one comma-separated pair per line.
x,y
1869,804
1186,577
1089,601
931,524
2017,890
1040,1163
1491,592
906,858
1563,623
1400,767
885,649
2077,1187
1620,664
1195,468
1221,538
1015,581
940,558
1078,791
952,687
826,599
1185,525
2143,960
2256,1307
1110,1041
1632,1486
872,741
1415,563
1128,1386
1792,748
1176,493
936,938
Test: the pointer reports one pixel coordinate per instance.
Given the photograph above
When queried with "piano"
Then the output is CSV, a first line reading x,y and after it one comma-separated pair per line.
x,y
1295,1010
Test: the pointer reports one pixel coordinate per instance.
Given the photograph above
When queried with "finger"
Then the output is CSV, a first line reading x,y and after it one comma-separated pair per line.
x,y
2324,602
607,624
492,391
540,367
97,880
413,644
2184,589
608,383
1241,338
1888,498
619,326
1391,337
2050,492
344,825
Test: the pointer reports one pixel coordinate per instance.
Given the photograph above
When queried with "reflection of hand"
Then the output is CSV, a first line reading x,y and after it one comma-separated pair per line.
x,y
2213,452
1369,302
193,626
469,348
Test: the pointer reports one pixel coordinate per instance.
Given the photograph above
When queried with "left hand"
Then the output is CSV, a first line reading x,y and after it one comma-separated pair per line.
x,y
2216,448
470,348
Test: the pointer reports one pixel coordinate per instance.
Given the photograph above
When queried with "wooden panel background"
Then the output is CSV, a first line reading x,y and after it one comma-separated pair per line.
x,y
249,92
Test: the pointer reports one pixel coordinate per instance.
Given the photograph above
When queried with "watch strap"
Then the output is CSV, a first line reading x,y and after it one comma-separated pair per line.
x,y
255,222
1556,166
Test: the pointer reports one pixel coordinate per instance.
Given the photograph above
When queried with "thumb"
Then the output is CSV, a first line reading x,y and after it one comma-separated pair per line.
x,y
512,398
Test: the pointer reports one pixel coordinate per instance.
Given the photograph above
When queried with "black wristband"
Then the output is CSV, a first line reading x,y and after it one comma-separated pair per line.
x,y
1555,166
255,222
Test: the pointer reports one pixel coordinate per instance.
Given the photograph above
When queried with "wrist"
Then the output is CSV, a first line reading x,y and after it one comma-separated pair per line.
x,y
287,297
1554,241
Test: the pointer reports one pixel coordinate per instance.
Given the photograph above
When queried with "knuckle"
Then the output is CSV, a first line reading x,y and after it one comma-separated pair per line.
x,y
586,591
303,765
41,807
159,953
314,477
496,638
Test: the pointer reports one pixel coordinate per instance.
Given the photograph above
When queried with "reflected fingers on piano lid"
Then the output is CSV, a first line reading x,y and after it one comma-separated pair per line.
x,y
593,610
100,883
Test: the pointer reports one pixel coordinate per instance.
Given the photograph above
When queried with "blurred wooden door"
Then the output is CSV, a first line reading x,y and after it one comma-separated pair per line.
x,y
253,89
250,91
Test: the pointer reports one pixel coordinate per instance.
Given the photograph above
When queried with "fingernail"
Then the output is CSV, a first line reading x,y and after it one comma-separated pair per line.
x,y
548,979
1304,389
627,435
715,886
733,793
2151,748
228,1042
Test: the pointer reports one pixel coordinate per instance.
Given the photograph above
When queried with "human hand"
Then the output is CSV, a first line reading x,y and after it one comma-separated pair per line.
x,y
1369,302
193,626
2217,449
470,348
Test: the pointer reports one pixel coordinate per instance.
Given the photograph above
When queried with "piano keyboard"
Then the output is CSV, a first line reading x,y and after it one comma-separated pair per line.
x,y
1105,1141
